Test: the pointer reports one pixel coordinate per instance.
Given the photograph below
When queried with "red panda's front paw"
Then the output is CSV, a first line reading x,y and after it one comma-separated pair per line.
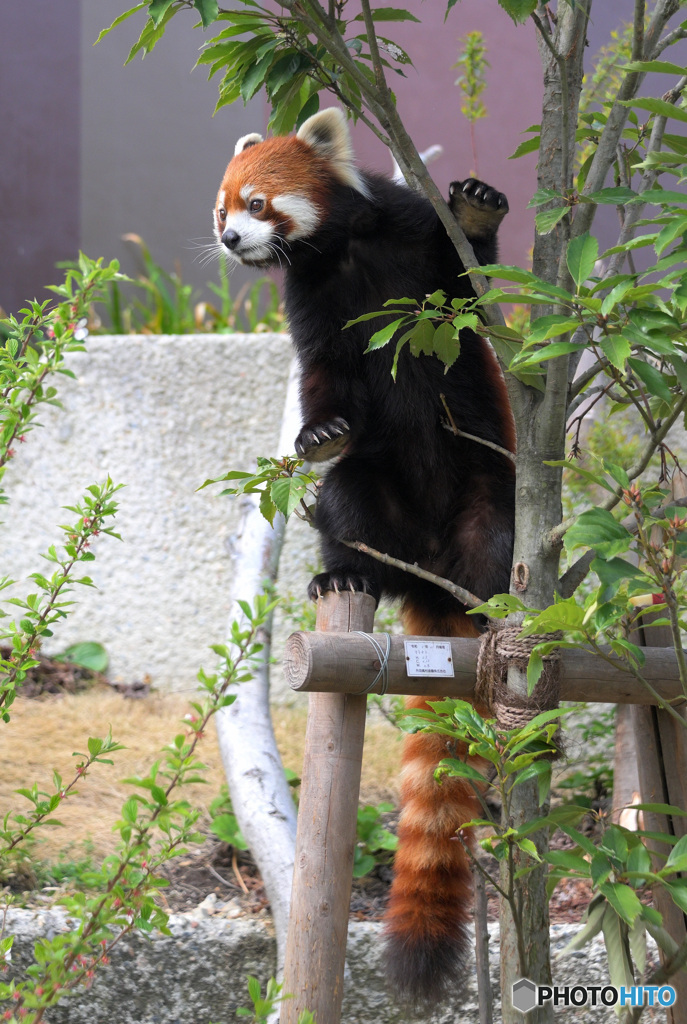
x,y
338,582
478,208
322,441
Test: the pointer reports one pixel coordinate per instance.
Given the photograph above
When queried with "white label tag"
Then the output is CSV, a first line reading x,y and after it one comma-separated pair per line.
x,y
428,658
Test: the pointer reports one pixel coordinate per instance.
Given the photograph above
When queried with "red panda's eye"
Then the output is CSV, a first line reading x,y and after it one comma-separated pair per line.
x,y
256,205
221,213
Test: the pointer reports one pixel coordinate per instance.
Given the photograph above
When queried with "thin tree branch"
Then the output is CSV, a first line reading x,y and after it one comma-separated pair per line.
x,y
565,101
462,595
555,537
610,136
634,212
672,37
580,383
572,577
451,425
380,78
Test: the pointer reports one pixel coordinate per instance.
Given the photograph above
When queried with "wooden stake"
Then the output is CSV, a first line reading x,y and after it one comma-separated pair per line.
x,y
662,770
325,844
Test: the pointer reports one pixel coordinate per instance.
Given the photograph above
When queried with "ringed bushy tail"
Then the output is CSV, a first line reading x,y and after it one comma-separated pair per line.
x,y
430,907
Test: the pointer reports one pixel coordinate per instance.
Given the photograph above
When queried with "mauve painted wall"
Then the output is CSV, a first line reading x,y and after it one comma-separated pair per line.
x,y
39,144
136,149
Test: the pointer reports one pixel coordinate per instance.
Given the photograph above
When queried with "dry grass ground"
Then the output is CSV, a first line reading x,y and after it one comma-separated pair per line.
x,y
43,733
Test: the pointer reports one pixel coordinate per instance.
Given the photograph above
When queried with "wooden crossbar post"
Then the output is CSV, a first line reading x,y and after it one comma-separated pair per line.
x,y
325,844
336,663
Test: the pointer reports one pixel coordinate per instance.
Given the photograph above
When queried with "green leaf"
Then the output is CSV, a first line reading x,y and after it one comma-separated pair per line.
x,y
570,862
421,338
662,938
616,348
528,847
613,196
459,769
596,528
267,507
678,893
519,10
656,106
547,219
592,927
658,808
120,19
617,948
543,195
624,900
383,336
255,76
652,378
677,861
529,146
389,14
208,10
130,810
287,493
157,9
446,343
546,327
542,355
92,656
583,253
659,66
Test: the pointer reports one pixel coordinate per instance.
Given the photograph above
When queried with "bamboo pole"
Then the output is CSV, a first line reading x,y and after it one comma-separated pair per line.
x,y
330,662
325,843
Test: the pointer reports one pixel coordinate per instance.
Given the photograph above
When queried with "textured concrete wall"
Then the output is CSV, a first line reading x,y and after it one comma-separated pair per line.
x,y
160,415
198,974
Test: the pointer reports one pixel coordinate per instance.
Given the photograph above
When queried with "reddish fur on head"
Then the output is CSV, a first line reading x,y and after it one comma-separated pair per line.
x,y
279,190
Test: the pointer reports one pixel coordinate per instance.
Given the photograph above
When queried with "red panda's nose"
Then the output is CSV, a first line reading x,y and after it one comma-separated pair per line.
x,y
231,238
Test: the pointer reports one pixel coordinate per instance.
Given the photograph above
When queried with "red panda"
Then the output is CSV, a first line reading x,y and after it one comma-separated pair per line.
x,y
348,241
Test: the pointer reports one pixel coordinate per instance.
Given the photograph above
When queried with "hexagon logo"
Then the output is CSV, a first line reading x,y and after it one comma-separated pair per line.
x,y
524,996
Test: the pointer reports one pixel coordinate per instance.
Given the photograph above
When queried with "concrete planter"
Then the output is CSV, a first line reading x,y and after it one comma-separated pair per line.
x,y
161,415
198,975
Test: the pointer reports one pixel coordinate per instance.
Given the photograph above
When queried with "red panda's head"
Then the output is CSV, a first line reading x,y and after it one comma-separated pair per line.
x,y
277,191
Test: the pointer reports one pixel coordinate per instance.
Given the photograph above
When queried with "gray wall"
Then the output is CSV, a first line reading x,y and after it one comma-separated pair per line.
x,y
152,155
39,143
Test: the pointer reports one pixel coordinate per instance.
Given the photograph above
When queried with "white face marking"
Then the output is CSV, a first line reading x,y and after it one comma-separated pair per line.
x,y
304,214
246,191
254,237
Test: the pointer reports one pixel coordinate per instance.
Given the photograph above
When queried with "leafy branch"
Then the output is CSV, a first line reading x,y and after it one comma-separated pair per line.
x,y
40,611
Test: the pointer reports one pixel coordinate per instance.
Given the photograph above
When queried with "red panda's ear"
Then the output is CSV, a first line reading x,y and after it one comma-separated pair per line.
x,y
247,140
327,133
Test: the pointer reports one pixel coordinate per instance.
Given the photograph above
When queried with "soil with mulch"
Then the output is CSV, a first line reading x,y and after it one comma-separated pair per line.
x,y
58,675
230,877
55,676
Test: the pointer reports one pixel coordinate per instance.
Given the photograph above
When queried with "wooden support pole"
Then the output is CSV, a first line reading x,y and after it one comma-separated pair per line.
x,y
325,844
336,663
662,769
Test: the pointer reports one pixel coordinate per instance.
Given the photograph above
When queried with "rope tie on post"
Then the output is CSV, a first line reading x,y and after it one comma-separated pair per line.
x,y
499,647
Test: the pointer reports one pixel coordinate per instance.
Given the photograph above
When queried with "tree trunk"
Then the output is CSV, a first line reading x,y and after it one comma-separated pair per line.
x,y
540,422
261,797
